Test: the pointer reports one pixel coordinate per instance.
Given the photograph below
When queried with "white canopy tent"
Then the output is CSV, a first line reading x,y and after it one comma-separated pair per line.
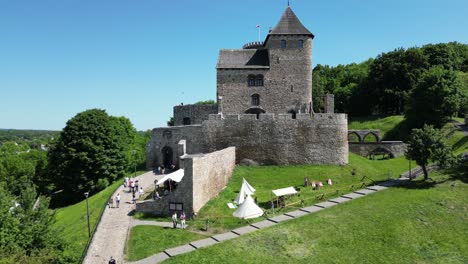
x,y
284,191
246,189
175,176
248,209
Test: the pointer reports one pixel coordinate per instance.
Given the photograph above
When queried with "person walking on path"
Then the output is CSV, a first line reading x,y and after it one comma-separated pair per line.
x,y
117,200
110,203
182,220
174,219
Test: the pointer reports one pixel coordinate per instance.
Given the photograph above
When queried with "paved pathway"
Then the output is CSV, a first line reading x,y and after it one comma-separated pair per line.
x,y
168,253
111,233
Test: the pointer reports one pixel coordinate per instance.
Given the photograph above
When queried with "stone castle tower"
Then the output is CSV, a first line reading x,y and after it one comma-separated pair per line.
x,y
264,108
274,76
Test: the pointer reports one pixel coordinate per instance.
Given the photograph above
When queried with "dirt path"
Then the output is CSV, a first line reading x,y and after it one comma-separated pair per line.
x,y
111,233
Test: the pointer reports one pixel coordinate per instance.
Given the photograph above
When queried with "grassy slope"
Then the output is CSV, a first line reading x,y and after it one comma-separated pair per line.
x,y
419,223
383,124
72,222
147,240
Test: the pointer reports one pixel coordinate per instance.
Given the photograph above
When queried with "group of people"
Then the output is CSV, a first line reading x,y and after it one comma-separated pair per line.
x,y
316,185
110,203
163,170
182,220
134,187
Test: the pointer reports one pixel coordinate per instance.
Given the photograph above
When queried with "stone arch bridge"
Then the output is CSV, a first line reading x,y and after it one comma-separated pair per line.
x,y
374,145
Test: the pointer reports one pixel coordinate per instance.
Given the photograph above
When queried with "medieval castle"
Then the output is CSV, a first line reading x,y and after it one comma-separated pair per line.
x,y
264,108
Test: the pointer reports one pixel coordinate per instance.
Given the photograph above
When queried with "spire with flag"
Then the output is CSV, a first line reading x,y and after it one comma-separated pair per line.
x,y
258,27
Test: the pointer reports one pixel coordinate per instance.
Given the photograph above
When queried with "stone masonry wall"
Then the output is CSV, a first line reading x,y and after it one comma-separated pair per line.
x,y
205,175
196,113
287,83
170,137
279,139
211,173
396,148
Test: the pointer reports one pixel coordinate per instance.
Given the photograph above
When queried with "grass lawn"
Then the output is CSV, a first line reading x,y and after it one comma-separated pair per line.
x,y
72,223
383,124
417,223
145,241
267,178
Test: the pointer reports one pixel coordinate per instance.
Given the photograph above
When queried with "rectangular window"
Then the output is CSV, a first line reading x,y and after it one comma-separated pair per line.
x,y
283,44
300,44
176,206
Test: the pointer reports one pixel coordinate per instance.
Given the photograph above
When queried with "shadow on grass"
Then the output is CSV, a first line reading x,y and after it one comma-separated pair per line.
x,y
399,132
460,143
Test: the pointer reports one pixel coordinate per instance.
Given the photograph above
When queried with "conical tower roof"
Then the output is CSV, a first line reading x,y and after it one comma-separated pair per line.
x,y
289,24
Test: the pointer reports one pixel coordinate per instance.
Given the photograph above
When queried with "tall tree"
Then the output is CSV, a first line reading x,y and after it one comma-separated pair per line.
x,y
89,154
427,144
436,97
392,75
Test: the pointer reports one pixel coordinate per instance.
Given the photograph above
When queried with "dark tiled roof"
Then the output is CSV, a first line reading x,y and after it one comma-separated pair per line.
x,y
289,24
243,59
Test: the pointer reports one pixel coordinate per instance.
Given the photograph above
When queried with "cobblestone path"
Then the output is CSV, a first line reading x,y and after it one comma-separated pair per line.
x,y
111,233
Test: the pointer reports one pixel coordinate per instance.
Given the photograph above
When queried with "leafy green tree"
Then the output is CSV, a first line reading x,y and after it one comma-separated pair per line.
x,y
26,231
427,144
171,121
206,102
392,75
91,148
436,97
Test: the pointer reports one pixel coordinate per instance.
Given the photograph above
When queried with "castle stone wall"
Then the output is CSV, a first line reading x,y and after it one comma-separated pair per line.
x,y
273,139
205,175
170,137
196,113
211,173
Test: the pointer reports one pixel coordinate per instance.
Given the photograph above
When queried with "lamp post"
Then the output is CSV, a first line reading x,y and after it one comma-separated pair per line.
x,y
87,213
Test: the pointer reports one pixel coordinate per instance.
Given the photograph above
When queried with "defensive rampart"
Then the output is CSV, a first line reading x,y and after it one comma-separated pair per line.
x,y
269,140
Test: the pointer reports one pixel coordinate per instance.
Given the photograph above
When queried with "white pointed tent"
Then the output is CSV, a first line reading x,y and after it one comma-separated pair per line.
x,y
248,209
246,189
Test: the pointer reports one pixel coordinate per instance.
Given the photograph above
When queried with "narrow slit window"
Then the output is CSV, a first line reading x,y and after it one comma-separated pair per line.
x,y
283,43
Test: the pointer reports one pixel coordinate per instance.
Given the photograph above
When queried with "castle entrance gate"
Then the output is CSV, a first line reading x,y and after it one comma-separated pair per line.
x,y
167,157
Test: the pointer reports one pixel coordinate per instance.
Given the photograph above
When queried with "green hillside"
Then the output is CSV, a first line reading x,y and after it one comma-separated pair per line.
x,y
417,223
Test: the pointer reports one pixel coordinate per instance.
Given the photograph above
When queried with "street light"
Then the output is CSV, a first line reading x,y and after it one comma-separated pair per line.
x,y
86,194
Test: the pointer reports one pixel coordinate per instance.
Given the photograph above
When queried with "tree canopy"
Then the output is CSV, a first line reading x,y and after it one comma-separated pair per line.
x,y
425,145
93,150
392,82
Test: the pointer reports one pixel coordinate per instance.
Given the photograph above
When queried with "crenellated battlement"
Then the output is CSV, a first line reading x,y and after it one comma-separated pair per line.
x,y
321,118
253,45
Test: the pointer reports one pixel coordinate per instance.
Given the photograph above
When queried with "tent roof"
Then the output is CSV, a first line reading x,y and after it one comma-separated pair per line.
x,y
285,191
248,209
246,189
175,176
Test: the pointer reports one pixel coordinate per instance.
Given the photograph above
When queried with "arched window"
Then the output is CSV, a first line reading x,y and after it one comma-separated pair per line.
x,y
251,80
283,43
259,80
300,44
255,99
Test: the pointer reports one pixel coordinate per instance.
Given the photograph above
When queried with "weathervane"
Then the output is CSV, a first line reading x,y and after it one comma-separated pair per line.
x,y
288,2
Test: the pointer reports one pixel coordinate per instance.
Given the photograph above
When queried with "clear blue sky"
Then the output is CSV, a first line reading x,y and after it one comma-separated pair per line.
x,y
139,58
